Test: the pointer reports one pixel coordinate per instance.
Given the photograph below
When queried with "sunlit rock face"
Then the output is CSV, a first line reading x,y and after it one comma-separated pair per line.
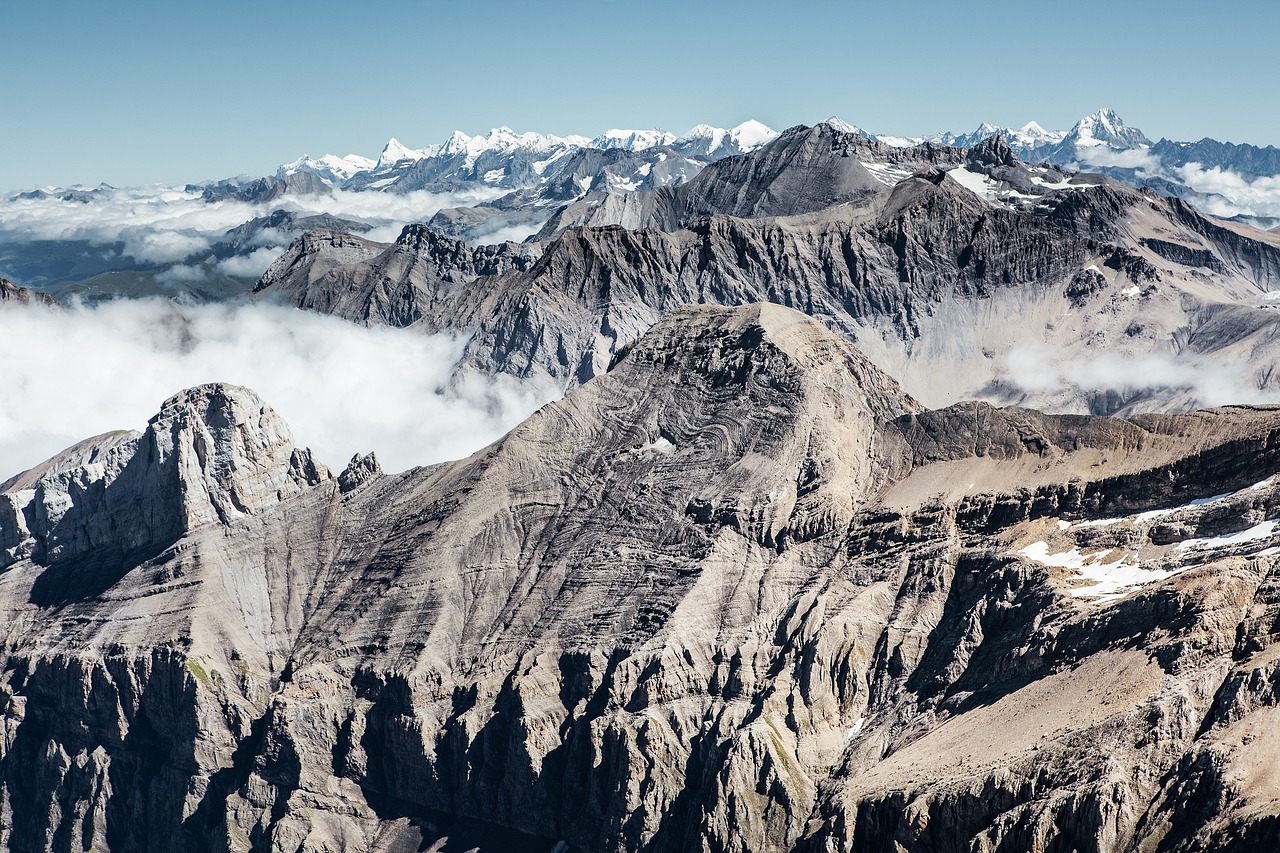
x,y
737,592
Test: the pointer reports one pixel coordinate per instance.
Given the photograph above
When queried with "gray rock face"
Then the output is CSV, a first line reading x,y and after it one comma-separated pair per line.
x,y
379,284
738,593
805,170
264,189
10,292
360,470
939,286
213,454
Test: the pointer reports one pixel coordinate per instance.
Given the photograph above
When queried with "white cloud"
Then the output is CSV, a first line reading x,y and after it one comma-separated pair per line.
x,y
161,225
514,233
251,265
1129,158
417,206
181,273
1234,193
77,372
1189,377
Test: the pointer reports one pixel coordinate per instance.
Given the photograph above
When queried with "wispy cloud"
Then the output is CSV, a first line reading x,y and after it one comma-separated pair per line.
x,y
1187,378
251,265
163,225
1131,158
343,388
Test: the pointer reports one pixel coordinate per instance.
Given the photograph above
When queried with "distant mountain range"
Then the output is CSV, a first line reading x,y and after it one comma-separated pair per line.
x,y
936,260
823,548
1101,142
210,241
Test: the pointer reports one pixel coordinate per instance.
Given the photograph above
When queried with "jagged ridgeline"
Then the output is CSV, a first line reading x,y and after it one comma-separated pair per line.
x,y
943,265
738,592
766,578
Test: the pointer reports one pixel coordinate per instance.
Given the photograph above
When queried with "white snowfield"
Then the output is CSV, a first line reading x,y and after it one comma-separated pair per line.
x,y
702,140
1118,572
1113,573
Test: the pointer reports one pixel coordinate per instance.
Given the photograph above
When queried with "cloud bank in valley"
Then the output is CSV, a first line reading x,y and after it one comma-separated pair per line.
x,y
77,372
165,225
1227,193
1188,380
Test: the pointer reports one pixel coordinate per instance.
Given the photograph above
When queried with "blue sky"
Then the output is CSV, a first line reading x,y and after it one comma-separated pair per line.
x,y
133,92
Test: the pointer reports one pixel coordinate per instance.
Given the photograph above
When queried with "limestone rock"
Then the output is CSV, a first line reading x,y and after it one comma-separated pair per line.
x,y
360,470
738,592
212,454
10,292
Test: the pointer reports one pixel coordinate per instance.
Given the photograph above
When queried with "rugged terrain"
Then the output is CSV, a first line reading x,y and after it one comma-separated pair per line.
x,y
208,241
10,292
970,276
738,592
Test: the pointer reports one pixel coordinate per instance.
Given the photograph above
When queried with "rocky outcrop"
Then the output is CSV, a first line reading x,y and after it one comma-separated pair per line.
x,y
377,284
737,593
10,292
213,454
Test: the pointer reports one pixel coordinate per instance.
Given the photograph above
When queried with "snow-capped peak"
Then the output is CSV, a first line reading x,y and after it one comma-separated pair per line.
x,y
751,135
633,140
701,131
394,152
837,123
456,144
1105,127
331,169
504,140
703,140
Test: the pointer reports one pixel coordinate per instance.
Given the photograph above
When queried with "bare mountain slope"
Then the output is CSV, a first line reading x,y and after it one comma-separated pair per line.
x,y
738,593
804,170
960,293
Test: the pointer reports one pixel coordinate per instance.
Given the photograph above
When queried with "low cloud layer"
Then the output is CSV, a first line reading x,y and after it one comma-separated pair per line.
x,y
1130,158
77,372
1228,193
1183,381
162,225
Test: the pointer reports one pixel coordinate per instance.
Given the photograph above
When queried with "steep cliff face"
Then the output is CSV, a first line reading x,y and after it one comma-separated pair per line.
x,y
390,285
214,453
738,593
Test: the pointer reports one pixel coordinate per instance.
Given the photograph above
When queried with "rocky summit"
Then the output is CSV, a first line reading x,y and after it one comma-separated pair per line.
x,y
737,591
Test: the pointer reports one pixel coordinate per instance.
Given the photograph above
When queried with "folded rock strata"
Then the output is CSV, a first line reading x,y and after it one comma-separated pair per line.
x,y
740,592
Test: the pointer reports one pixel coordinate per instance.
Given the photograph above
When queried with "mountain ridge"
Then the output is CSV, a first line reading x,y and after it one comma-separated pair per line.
x,y
703,613
885,266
